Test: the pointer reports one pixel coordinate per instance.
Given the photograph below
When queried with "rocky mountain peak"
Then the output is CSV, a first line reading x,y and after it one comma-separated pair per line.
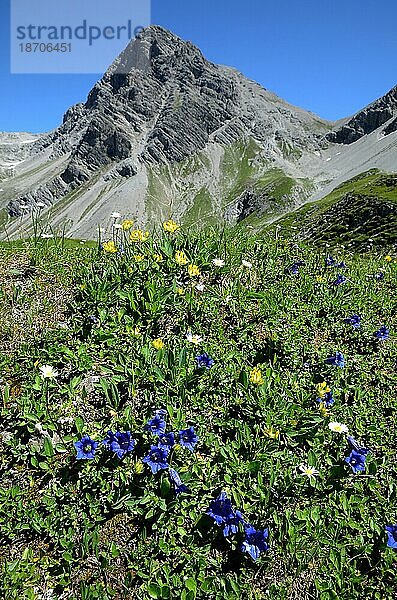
x,y
165,131
381,112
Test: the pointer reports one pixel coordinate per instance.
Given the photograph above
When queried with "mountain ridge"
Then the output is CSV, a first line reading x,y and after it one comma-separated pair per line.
x,y
165,131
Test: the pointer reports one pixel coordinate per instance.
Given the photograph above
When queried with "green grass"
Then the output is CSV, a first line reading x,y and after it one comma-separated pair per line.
x,y
361,209
108,528
174,189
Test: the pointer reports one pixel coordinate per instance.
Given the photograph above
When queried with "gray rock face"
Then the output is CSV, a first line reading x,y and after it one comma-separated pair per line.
x,y
368,120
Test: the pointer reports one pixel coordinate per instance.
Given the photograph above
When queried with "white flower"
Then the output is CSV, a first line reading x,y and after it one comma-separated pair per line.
x,y
117,226
40,204
47,236
338,427
115,215
247,264
194,339
200,287
309,472
218,262
48,372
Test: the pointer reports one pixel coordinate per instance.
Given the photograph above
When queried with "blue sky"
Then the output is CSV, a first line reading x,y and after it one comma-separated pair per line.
x,y
331,57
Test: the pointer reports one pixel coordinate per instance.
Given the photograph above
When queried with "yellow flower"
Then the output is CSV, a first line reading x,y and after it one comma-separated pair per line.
x,y
322,389
193,271
388,258
271,433
180,291
138,258
170,226
139,236
110,247
158,344
139,467
323,409
256,376
158,258
320,279
181,258
127,224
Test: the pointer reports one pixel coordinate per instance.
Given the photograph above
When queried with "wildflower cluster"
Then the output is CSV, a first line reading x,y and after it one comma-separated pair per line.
x,y
232,521
158,456
284,372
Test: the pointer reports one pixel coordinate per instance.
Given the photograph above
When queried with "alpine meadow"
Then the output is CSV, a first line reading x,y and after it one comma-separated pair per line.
x,y
198,343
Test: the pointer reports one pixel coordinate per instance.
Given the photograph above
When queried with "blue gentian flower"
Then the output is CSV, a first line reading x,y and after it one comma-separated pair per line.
x,y
339,280
86,448
204,361
330,261
188,439
294,268
222,512
338,360
221,509
177,481
255,541
119,442
379,276
354,320
232,522
382,333
157,458
157,424
166,440
327,400
356,460
356,446
391,531
93,318
342,265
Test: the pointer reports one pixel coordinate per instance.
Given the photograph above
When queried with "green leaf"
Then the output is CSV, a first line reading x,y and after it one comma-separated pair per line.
x,y
165,486
48,449
182,358
154,590
79,423
191,584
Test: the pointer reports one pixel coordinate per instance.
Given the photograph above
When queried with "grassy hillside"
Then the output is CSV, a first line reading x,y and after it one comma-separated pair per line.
x,y
83,519
238,182
360,210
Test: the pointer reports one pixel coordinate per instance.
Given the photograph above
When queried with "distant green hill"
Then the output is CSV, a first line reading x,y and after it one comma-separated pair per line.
x,y
361,209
